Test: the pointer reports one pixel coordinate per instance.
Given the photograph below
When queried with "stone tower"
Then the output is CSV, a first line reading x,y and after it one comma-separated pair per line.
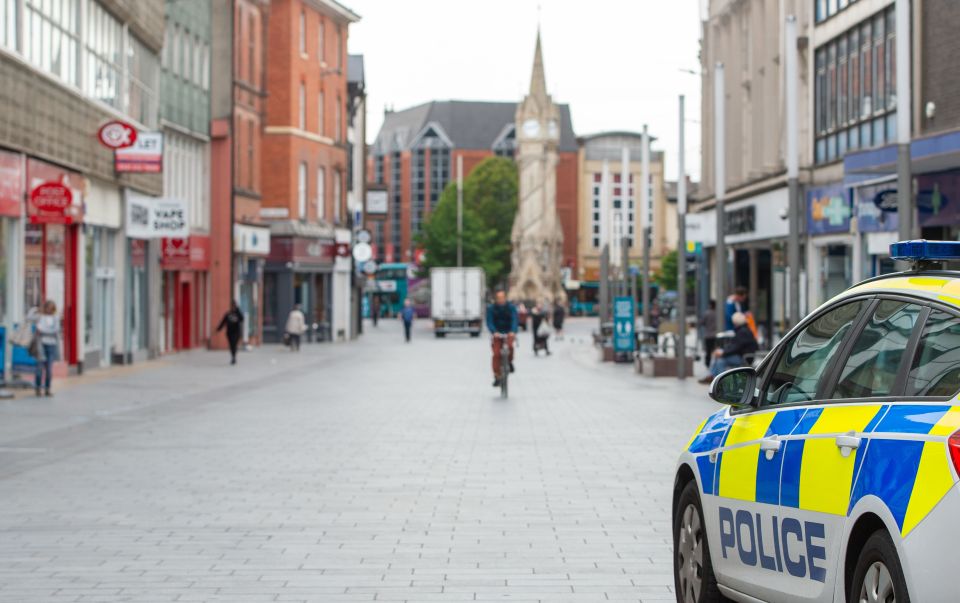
x,y
537,236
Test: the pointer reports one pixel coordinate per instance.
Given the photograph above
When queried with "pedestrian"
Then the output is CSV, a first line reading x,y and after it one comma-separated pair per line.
x,y
538,323
559,315
45,347
407,315
375,308
735,303
296,327
232,321
733,354
708,323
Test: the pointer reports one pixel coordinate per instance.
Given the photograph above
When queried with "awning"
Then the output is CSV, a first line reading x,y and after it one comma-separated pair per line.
x,y
937,153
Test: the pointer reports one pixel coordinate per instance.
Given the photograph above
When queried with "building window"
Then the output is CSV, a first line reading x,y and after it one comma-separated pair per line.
x,y
378,169
439,174
824,9
52,41
320,50
395,182
8,23
321,192
303,33
302,191
303,106
855,89
418,191
339,48
251,49
338,117
337,193
320,113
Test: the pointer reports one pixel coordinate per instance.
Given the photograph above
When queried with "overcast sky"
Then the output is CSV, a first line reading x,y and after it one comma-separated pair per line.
x,y
616,62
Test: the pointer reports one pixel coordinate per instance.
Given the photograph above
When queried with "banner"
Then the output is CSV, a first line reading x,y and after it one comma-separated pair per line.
x,y
156,218
623,312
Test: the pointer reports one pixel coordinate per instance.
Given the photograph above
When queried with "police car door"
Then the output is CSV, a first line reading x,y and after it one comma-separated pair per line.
x,y
766,550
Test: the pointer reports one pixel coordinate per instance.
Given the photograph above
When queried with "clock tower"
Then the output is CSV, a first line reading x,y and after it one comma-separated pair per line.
x,y
537,236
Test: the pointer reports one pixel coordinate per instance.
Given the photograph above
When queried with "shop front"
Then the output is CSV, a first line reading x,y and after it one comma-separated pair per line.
x,y
251,246
102,299
12,183
343,291
755,235
831,246
299,270
53,255
185,319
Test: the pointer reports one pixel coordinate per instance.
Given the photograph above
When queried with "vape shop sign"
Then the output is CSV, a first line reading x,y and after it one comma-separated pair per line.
x,y
156,218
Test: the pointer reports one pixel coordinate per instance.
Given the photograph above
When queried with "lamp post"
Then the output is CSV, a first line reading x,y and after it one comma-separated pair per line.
x,y
793,185
719,176
681,254
904,174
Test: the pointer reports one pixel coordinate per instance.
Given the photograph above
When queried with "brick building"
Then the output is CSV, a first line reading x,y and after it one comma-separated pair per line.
x,y
238,106
415,156
304,161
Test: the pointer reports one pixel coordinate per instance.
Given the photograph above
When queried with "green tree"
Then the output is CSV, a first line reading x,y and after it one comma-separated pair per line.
x,y
489,204
666,276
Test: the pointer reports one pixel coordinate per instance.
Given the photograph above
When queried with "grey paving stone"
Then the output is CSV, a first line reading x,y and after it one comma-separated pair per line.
x,y
369,470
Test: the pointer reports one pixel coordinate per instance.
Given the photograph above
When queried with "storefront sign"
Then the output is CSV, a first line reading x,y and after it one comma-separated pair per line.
x,y
251,240
138,253
52,203
156,218
937,196
306,253
871,218
145,156
273,213
116,134
192,253
701,228
828,210
11,184
377,202
742,220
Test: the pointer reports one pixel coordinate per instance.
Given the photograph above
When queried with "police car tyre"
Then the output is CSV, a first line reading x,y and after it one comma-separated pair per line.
x,y
878,576
693,577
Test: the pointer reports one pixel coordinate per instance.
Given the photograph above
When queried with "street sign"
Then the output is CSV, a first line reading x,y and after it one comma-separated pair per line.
x,y
363,236
116,134
362,252
370,267
623,338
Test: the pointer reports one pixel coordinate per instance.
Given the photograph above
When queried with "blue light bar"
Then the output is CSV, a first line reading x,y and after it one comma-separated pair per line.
x,y
920,250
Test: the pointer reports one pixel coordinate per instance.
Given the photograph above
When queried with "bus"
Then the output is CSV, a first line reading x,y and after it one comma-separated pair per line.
x,y
394,283
584,297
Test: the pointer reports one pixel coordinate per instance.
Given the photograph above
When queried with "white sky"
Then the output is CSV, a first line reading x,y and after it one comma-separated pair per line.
x,y
616,62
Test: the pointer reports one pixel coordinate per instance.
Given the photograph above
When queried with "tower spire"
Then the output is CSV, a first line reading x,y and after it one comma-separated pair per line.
x,y
538,80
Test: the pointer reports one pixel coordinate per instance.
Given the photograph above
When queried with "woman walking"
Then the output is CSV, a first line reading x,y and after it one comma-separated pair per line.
x,y
232,321
46,349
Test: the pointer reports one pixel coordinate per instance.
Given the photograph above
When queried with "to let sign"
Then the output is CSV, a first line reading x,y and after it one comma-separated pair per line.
x,y
145,156
52,203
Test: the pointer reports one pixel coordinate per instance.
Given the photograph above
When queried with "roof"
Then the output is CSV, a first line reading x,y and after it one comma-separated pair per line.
x,y
615,134
338,9
467,124
939,285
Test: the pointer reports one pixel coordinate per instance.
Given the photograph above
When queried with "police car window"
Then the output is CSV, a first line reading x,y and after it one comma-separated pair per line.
x,y
874,360
935,370
808,355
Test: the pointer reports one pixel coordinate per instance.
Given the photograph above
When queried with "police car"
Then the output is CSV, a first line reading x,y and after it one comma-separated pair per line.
x,y
832,472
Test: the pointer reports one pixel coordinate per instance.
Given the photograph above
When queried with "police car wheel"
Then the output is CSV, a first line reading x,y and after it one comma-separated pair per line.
x,y
878,577
693,577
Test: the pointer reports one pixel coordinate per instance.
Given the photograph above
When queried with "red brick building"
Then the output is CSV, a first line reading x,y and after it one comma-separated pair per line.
x,y
415,156
238,103
304,160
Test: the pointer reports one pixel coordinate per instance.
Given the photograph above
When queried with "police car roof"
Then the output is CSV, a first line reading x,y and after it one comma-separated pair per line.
x,y
943,284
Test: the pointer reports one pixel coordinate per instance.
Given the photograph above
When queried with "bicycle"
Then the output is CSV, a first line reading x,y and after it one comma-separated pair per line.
x,y
504,362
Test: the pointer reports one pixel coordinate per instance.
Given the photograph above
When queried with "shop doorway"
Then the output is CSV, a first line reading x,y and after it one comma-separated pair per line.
x,y
184,313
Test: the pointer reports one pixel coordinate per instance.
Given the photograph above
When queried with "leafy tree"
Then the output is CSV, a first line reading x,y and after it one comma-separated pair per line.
x,y
666,276
489,206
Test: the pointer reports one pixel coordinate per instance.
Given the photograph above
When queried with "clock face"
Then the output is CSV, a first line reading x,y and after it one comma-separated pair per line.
x,y
531,127
553,129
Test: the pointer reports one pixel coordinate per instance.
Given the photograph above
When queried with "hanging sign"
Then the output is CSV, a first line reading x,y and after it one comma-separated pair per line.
x,y
145,156
52,203
116,134
156,218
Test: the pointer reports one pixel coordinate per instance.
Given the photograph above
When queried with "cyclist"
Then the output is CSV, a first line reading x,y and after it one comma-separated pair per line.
x,y
502,321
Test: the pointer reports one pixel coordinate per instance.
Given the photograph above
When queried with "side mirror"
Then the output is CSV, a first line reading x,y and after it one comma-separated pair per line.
x,y
734,387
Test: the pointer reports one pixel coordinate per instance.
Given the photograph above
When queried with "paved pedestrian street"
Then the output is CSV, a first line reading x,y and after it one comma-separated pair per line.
x,y
374,470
